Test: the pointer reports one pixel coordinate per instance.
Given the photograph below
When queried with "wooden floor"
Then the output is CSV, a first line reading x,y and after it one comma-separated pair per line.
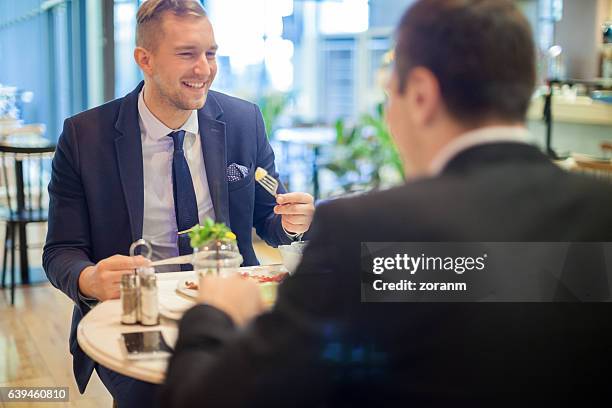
x,y
34,341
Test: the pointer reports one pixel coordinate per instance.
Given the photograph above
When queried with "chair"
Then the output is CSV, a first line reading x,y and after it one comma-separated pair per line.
x,y
24,175
600,169
606,149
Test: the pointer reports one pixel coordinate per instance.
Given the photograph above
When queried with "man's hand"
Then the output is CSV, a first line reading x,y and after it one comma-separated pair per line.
x,y
238,297
101,281
296,210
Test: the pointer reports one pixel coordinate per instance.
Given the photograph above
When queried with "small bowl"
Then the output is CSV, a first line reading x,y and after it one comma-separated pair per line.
x,y
292,254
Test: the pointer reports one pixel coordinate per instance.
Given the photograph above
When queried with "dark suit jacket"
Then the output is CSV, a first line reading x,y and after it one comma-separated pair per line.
x,y
97,194
320,346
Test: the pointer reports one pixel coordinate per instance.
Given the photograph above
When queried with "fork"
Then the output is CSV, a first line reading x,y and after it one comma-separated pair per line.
x,y
269,183
177,260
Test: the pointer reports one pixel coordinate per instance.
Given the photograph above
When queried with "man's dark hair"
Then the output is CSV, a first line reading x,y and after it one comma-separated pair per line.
x,y
481,52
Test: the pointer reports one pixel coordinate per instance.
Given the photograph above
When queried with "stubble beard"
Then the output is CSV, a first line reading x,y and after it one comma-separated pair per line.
x,y
175,100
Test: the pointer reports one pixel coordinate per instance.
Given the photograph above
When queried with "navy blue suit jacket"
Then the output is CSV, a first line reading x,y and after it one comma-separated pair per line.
x,y
97,194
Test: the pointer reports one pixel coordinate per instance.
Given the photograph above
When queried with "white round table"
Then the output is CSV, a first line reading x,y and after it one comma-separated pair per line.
x,y
99,335
99,332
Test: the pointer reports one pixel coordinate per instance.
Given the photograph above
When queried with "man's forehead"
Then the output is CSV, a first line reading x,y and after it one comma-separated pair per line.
x,y
178,23
188,31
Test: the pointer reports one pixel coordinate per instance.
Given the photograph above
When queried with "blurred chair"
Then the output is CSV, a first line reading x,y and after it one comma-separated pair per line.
x,y
600,169
24,175
606,149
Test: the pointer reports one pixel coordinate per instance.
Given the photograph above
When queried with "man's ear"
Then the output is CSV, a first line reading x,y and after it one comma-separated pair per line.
x,y
143,59
424,96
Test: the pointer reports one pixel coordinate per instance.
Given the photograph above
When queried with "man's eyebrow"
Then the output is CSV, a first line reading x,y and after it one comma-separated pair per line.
x,y
185,47
214,47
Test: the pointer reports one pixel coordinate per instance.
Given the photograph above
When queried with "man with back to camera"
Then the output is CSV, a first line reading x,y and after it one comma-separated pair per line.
x,y
460,88
120,168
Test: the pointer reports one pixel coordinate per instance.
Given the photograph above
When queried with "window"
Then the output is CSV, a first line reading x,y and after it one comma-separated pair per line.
x,y
43,42
127,73
337,90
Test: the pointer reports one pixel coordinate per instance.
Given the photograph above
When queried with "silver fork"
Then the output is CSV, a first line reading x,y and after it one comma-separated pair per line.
x,y
269,183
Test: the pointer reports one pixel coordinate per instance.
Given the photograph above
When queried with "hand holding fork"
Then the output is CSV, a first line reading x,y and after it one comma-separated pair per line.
x,y
296,209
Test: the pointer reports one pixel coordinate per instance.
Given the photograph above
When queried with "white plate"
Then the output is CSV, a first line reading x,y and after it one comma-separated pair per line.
x,y
260,270
171,305
170,314
182,288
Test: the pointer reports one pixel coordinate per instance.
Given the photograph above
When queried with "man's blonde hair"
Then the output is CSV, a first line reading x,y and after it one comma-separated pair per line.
x,y
148,19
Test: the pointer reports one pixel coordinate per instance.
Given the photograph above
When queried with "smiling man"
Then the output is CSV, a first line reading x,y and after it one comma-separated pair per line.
x,y
157,161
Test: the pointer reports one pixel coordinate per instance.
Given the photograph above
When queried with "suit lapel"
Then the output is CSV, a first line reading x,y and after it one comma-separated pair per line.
x,y
128,147
212,135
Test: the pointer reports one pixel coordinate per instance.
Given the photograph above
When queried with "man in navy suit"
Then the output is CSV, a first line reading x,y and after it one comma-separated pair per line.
x,y
120,169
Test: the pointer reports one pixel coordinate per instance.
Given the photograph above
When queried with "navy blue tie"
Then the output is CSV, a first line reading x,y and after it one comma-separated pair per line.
x,y
185,203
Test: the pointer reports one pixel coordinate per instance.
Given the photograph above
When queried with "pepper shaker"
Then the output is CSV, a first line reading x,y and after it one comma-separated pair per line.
x,y
129,299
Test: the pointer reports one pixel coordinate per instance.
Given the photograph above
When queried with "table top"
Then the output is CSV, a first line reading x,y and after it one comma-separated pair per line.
x,y
26,144
99,335
307,135
99,332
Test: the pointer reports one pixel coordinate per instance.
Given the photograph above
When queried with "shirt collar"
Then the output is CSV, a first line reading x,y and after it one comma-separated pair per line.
x,y
485,135
155,129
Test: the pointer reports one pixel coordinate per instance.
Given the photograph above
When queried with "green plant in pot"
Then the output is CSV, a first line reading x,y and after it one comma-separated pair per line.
x,y
349,155
386,162
364,156
214,249
272,106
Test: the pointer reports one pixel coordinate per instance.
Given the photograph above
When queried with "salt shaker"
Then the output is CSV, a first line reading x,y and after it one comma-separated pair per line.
x,y
149,308
129,299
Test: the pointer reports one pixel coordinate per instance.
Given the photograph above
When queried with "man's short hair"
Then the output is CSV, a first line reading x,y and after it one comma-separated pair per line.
x,y
148,19
481,52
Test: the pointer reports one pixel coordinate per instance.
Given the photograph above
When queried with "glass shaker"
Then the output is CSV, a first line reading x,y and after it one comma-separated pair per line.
x,y
149,307
129,295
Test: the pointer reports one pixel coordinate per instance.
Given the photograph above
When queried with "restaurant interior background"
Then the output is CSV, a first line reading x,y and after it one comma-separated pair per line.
x,y
318,80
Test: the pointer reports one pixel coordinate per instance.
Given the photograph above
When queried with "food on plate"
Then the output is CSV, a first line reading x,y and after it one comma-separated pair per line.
x,y
191,285
276,278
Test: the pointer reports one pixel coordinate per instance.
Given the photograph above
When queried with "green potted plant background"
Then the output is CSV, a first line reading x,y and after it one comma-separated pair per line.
x,y
272,106
364,156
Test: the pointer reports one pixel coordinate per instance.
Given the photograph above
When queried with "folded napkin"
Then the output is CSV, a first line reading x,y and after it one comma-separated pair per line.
x,y
236,172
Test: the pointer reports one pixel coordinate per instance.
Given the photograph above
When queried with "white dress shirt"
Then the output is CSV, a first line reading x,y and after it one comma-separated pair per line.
x,y
485,135
159,219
